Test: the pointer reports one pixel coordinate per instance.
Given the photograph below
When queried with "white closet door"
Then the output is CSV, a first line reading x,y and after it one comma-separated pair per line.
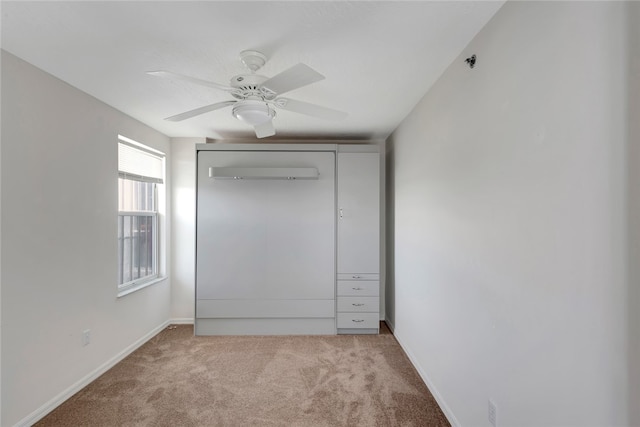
x,y
359,213
266,238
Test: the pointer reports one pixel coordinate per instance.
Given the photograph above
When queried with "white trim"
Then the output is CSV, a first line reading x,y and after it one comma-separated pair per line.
x,y
432,388
224,146
181,321
139,178
359,148
137,286
136,144
52,404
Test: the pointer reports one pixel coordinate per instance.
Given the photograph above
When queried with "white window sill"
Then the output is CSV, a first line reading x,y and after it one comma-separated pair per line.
x,y
137,287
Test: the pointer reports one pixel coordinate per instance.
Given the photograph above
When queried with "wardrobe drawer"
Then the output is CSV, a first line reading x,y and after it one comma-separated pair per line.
x,y
352,288
359,304
358,320
358,276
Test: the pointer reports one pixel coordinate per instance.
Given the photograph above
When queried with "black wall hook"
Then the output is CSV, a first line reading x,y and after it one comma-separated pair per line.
x,y
471,61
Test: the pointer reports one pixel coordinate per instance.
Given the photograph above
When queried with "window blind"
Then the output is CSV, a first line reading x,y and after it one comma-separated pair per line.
x,y
139,165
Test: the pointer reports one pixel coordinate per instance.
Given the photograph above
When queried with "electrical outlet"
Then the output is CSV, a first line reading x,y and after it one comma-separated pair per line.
x,y
86,337
493,413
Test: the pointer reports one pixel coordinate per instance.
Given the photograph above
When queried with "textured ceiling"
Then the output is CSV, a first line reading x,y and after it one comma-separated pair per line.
x,y
379,58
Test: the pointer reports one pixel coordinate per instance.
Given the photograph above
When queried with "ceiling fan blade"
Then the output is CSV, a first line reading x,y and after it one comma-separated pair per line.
x,y
309,109
177,76
293,78
198,111
265,129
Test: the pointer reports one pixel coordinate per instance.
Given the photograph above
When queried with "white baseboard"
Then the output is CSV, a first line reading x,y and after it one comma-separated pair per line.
x,y
443,405
52,404
181,321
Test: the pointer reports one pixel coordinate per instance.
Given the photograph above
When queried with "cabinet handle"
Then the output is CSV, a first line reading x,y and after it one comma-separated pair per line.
x,y
357,320
357,305
356,277
357,289
341,214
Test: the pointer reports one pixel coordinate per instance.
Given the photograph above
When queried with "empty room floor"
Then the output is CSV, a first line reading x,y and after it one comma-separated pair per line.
x,y
178,379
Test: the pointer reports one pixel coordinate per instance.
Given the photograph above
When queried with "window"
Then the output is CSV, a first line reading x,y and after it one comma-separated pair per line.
x,y
140,177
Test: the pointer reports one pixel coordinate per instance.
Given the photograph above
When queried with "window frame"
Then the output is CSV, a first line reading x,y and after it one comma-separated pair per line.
x,y
158,222
155,249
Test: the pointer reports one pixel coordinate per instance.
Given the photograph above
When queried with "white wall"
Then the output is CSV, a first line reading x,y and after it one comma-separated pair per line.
x,y
183,190
389,233
510,221
634,215
0,244
59,246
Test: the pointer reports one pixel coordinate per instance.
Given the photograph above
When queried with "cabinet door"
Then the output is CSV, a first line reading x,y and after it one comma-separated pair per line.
x,y
264,238
358,213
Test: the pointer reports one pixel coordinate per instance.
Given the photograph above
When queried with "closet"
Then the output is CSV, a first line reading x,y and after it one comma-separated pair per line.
x,y
287,239
358,280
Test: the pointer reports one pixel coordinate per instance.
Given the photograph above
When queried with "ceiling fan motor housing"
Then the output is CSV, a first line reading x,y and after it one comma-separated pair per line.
x,y
248,86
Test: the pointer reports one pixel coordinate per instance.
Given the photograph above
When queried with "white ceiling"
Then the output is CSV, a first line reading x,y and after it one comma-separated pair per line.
x,y
379,58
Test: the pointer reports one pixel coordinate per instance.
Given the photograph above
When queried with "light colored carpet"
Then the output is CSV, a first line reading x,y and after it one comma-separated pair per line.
x,y
177,379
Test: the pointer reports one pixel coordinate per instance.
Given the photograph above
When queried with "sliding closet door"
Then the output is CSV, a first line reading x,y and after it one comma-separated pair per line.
x,y
265,246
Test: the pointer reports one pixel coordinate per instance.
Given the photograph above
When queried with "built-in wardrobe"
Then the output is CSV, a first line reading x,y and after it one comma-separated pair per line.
x,y
288,238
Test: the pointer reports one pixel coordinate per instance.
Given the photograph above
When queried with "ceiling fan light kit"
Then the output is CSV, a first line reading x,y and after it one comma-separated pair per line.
x,y
253,112
256,95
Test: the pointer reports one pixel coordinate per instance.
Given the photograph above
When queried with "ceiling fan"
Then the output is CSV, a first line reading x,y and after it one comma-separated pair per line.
x,y
257,96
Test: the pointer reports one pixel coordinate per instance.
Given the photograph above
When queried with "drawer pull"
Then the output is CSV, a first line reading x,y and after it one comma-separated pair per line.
x,y
357,289
357,320
357,305
356,277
